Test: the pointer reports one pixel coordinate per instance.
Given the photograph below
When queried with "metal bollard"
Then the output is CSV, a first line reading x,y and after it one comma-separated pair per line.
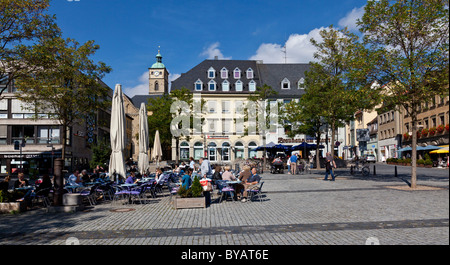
x,y
374,170
395,171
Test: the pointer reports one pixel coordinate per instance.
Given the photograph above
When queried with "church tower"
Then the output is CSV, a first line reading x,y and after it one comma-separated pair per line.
x,y
158,77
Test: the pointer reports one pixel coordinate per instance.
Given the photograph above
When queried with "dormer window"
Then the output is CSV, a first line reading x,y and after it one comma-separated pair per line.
x,y
238,85
225,85
237,73
224,73
285,84
212,85
301,83
211,73
250,73
198,85
252,86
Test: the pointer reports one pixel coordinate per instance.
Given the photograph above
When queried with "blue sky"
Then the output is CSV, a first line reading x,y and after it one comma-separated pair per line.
x,y
190,31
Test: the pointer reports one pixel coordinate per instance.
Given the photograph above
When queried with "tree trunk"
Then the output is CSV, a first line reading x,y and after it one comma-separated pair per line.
x,y
333,136
317,150
414,153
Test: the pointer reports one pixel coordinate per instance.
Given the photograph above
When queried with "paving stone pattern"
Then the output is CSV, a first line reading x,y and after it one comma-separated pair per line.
x,y
295,210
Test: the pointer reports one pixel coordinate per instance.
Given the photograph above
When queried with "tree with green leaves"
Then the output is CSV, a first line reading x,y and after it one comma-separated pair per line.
x,y
66,84
409,45
22,22
339,90
101,153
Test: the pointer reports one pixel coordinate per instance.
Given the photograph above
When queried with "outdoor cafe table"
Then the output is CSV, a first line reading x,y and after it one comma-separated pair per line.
x,y
26,188
73,188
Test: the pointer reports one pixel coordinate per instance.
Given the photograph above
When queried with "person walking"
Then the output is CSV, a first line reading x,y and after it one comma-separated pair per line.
x,y
329,164
294,164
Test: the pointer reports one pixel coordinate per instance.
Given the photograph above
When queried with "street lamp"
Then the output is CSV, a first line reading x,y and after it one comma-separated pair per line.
x,y
50,145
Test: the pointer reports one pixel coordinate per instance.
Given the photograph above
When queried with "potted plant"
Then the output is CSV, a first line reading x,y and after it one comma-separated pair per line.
x,y
424,132
190,198
440,128
432,131
8,202
405,137
447,127
428,163
407,161
420,163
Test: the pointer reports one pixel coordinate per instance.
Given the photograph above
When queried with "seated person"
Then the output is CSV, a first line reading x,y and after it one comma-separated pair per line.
x,y
248,182
217,175
4,185
74,179
186,180
132,178
227,175
277,161
84,176
21,182
42,189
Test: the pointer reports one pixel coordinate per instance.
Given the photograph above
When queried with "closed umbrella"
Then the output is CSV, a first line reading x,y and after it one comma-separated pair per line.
x,y
117,135
157,150
143,140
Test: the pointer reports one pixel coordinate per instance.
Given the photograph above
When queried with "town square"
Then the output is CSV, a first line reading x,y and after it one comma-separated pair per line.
x,y
221,130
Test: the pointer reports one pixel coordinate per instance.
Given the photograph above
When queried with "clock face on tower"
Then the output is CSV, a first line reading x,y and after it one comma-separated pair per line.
x,y
156,73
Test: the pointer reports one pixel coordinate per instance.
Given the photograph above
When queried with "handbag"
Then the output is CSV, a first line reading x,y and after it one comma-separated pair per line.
x,y
206,185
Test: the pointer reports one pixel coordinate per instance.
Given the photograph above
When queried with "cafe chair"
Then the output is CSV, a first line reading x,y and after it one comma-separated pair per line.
x,y
256,191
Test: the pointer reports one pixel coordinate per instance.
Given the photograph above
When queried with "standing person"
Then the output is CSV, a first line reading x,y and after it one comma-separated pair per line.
x,y
311,161
191,163
329,164
205,168
294,164
289,165
186,180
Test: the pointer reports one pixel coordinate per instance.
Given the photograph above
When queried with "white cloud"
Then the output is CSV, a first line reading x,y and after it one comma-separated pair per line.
x,y
350,19
212,51
142,87
298,49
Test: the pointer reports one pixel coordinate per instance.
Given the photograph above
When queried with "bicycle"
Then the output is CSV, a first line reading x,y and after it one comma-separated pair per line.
x,y
364,170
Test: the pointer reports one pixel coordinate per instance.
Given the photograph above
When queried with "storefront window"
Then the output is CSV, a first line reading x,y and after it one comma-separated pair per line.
x,y
198,150
239,149
226,152
251,146
184,151
212,152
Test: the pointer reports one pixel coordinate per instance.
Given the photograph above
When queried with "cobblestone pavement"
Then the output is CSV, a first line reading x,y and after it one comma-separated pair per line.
x,y
295,210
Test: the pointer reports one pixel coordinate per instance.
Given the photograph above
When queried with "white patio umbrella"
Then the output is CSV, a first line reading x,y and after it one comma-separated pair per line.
x,y
117,135
157,150
143,140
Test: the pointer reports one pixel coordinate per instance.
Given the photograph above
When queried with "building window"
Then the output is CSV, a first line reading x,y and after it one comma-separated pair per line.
x,y
211,106
20,132
301,83
211,73
226,105
212,152
252,86
238,85
225,152
239,150
226,125
156,86
237,73
251,153
198,85
224,73
48,135
212,85
198,150
3,134
285,84
184,151
225,85
250,73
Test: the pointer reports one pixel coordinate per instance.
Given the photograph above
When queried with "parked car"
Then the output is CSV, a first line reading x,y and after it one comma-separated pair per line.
x,y
369,158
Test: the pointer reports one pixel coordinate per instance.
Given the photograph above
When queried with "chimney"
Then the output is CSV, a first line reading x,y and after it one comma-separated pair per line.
x,y
216,57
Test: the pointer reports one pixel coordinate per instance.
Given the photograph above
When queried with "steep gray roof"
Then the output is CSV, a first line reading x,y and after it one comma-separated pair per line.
x,y
138,99
269,74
